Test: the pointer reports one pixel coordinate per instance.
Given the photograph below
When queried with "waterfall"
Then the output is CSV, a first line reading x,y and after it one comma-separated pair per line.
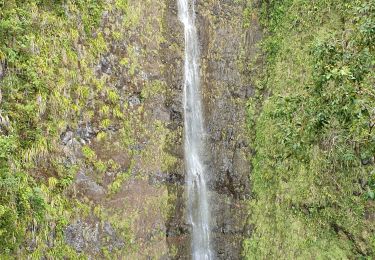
x,y
198,211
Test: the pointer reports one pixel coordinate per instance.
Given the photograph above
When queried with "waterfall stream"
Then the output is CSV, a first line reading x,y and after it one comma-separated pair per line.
x,y
198,211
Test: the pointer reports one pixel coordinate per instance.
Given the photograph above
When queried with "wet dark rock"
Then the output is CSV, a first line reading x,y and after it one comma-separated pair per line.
x,y
176,116
226,88
367,161
92,236
166,178
181,230
83,135
157,178
74,236
2,72
228,225
134,100
67,137
137,147
105,65
86,133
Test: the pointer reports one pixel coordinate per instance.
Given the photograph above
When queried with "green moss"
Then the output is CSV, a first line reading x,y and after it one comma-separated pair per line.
x,y
153,88
121,177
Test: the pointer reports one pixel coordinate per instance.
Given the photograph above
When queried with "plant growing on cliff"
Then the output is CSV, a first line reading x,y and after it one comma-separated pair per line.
x,y
314,142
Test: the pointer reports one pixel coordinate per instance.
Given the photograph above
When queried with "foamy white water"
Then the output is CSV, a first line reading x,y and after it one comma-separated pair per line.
x,y
196,187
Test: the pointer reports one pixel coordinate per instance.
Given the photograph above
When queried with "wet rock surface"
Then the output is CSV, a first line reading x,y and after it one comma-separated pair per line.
x,y
92,236
83,135
2,72
226,87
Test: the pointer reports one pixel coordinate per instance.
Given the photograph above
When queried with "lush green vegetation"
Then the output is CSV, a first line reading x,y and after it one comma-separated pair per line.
x,y
40,64
311,125
48,50
312,128
52,82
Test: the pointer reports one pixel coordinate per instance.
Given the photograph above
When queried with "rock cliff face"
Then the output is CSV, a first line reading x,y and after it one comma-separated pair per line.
x,y
91,129
224,42
226,89
126,144
153,49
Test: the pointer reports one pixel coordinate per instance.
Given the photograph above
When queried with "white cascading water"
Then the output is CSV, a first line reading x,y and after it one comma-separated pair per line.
x,y
197,195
